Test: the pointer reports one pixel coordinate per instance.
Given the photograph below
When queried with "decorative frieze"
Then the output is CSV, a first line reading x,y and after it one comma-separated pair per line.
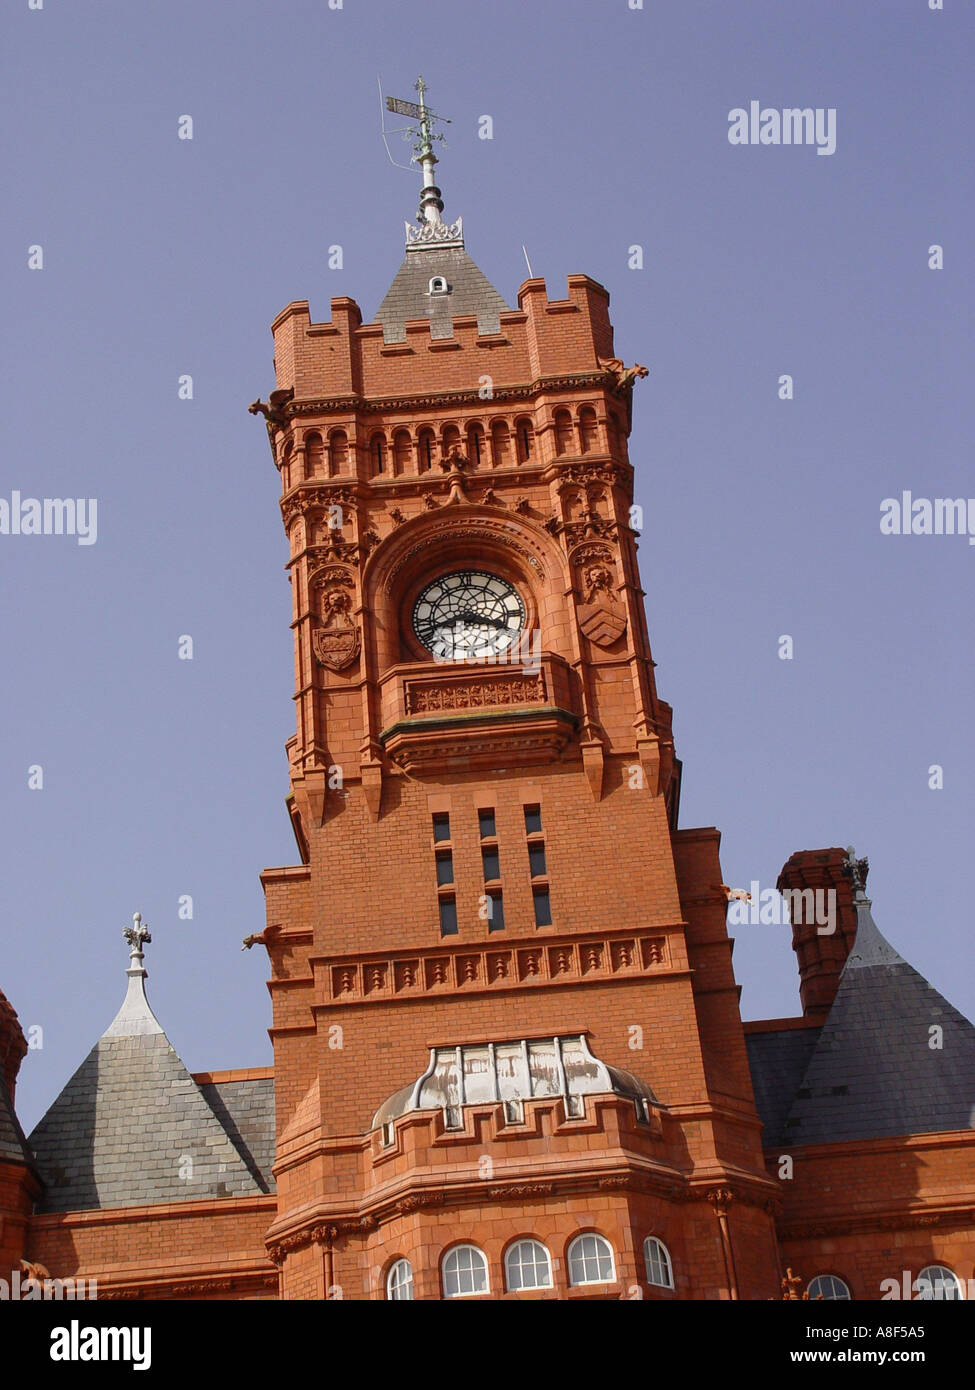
x,y
425,697
472,969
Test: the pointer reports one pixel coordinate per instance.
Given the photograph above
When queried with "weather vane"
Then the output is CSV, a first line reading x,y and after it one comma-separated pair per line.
x,y
423,135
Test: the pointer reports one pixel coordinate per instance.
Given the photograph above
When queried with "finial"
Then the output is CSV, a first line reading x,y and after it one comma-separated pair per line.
x,y
135,1016
137,935
857,870
431,224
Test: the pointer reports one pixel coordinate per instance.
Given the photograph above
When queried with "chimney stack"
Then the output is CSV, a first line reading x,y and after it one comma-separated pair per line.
x,y
821,956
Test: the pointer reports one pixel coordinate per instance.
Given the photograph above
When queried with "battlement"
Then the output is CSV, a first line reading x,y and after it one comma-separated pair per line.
x,y
344,357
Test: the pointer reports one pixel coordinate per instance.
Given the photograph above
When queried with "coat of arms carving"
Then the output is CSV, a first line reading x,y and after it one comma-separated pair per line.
x,y
336,642
601,617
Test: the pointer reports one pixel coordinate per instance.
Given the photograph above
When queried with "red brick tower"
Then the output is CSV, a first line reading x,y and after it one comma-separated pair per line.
x,y
508,1054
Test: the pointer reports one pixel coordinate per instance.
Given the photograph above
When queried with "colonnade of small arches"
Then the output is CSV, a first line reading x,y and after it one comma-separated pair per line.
x,y
526,1265
497,443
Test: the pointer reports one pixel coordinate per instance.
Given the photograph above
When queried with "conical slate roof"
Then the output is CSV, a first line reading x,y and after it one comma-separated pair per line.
x,y
880,1067
13,1046
13,1145
132,1127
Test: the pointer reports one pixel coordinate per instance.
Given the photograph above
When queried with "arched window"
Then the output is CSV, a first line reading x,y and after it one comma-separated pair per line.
x,y
399,1281
426,442
450,438
438,285
828,1286
656,1257
464,1272
525,440
402,453
563,432
377,452
527,1266
314,456
286,461
500,444
475,444
591,1260
587,429
938,1282
338,452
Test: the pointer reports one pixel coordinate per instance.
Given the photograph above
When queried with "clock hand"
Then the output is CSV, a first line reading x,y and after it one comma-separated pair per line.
x,y
480,619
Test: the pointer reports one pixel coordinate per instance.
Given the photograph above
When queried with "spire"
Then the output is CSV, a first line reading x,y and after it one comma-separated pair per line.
x,y
870,946
432,230
431,203
437,281
135,1016
132,1127
857,870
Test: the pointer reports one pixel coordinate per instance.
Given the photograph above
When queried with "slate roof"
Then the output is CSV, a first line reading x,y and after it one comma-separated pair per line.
x,y
246,1111
13,1145
469,292
778,1061
871,1071
132,1127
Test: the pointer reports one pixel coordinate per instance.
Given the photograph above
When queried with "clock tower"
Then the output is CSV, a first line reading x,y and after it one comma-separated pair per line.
x,y
508,1055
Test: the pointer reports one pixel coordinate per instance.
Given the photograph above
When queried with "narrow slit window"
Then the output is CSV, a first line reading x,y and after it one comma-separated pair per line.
x,y
536,861
495,912
448,917
441,827
533,820
445,868
426,442
487,825
492,863
543,907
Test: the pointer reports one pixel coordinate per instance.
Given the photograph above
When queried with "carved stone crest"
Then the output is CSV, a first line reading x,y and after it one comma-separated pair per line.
x,y
336,642
601,617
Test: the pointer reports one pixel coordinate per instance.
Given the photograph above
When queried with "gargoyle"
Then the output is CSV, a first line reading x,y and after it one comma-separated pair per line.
x,y
732,894
273,408
624,376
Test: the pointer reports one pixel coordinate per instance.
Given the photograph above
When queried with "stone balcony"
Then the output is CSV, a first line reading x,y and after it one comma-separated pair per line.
x,y
455,717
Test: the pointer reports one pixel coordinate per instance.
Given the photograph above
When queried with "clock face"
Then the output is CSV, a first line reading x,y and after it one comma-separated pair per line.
x,y
468,614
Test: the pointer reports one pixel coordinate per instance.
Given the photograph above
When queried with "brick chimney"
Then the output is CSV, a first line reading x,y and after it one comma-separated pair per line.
x,y
821,956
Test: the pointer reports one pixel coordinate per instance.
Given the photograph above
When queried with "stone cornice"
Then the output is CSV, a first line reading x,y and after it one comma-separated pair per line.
x,y
858,1148
232,1280
326,1227
356,404
887,1219
230,1207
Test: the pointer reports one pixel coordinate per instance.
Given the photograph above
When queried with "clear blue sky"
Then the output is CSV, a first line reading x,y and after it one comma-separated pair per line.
x,y
164,257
